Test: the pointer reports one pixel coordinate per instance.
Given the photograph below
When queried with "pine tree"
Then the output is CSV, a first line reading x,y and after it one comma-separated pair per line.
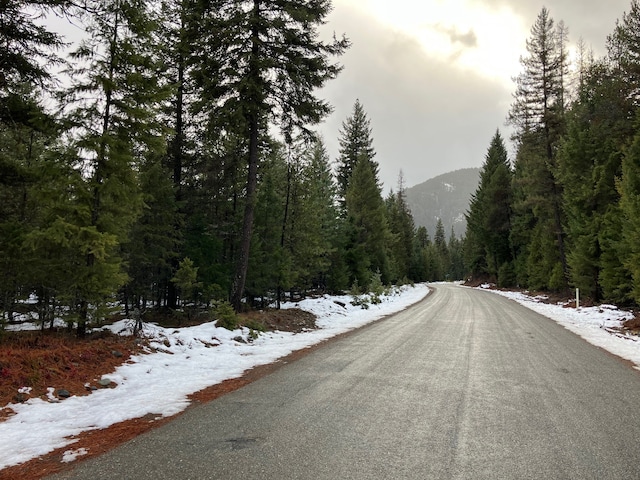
x,y
538,115
270,263
488,246
624,52
589,162
30,186
441,251
27,48
175,37
630,205
402,231
112,109
418,267
456,268
368,227
152,245
27,51
266,63
317,218
356,142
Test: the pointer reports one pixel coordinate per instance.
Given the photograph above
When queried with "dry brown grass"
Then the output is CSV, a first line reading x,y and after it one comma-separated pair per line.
x,y
40,360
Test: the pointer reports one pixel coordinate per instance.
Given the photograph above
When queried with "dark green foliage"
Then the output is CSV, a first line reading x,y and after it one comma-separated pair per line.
x,y
629,250
488,246
321,216
574,183
31,185
26,49
418,267
402,232
589,163
159,176
186,279
355,143
368,231
296,223
538,115
270,263
226,316
456,269
112,113
152,244
265,63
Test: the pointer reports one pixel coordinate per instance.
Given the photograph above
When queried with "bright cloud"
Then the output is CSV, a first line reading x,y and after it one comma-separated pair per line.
x,y
467,33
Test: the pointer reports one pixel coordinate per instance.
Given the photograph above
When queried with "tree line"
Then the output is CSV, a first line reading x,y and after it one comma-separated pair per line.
x,y
170,159
566,212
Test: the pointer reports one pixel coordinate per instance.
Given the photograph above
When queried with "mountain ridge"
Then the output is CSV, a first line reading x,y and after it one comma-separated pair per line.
x,y
444,197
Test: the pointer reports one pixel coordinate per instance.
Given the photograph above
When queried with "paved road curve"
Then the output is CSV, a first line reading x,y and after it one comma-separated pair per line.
x,y
464,385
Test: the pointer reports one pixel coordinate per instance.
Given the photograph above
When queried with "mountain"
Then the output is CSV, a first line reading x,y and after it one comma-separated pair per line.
x,y
447,197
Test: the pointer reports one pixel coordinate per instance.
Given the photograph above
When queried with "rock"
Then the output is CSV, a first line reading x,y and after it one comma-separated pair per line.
x,y
20,398
62,393
116,353
104,382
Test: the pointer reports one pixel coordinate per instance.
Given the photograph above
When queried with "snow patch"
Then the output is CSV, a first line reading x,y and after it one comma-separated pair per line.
x,y
183,363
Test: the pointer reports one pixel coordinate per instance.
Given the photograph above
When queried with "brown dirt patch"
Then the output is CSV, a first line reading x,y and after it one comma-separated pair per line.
x,y
632,325
39,360
287,320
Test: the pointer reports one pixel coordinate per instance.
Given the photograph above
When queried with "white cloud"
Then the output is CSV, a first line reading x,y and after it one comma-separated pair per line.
x,y
435,77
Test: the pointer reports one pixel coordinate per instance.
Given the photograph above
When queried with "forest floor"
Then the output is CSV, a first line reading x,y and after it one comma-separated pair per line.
x,y
51,363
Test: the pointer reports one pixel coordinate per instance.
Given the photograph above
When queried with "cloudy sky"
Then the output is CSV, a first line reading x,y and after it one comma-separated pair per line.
x,y
435,76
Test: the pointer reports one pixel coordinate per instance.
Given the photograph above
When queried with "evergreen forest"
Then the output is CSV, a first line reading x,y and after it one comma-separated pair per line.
x,y
565,212
169,161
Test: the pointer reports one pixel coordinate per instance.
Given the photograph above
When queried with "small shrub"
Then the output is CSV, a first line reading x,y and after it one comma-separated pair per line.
x,y
253,324
355,290
361,301
253,334
226,316
375,284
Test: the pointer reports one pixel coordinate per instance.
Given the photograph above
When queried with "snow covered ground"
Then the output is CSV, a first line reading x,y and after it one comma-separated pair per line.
x,y
190,359
187,360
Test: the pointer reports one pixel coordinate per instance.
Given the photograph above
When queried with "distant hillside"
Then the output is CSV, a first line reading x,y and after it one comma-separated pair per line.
x,y
447,197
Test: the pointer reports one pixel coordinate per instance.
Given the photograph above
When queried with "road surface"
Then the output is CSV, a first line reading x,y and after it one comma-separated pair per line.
x,y
464,385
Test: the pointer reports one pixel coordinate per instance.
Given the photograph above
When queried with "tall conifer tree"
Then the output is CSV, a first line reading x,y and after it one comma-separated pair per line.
x,y
368,228
538,115
112,113
489,217
402,231
267,62
356,142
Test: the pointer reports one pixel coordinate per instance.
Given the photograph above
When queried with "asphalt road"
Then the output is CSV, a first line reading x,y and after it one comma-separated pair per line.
x,y
464,385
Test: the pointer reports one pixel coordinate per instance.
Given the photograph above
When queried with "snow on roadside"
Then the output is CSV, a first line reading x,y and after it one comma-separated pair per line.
x,y
598,325
187,360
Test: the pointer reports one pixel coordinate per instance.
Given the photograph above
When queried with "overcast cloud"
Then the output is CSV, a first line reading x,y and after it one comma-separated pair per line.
x,y
433,110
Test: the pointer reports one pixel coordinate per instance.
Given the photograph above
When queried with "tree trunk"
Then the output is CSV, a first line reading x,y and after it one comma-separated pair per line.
x,y
177,150
242,265
284,232
253,122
